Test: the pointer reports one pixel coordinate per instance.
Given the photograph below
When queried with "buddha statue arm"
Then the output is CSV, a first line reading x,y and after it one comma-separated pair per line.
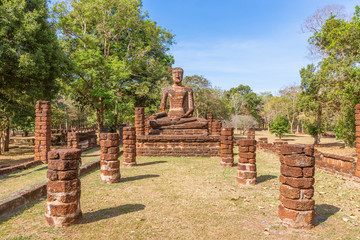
x,y
191,104
162,112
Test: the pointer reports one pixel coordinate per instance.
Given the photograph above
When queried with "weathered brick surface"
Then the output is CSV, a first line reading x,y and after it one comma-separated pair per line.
x,y
216,128
63,188
140,120
296,190
210,118
251,133
263,140
109,158
246,171
129,146
73,140
178,145
42,130
227,145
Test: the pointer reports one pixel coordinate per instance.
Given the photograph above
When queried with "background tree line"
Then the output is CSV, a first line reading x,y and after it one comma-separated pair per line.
x,y
96,60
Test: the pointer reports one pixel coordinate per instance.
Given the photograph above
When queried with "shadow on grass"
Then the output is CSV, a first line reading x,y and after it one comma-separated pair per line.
x,y
129,179
323,212
150,163
8,176
264,178
287,139
111,212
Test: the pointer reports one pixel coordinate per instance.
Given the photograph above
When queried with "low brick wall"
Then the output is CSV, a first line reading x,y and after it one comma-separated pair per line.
x,y
339,164
178,146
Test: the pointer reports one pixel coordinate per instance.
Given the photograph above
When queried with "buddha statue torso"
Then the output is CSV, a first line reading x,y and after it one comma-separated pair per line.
x,y
181,108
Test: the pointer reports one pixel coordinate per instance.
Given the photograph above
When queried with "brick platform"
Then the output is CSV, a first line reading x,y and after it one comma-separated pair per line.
x,y
246,173
178,146
296,209
227,145
42,130
63,188
129,140
109,158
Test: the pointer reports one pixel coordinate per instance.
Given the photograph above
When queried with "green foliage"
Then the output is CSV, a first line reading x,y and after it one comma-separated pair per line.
x,y
30,59
119,56
280,125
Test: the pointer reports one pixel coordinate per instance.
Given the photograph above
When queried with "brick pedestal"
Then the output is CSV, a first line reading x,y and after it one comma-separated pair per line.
x,y
216,128
63,188
140,120
246,173
296,209
42,130
357,123
210,118
227,144
73,140
109,158
251,134
129,157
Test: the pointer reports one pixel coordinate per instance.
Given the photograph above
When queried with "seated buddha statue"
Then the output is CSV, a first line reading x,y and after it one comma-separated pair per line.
x,y
181,103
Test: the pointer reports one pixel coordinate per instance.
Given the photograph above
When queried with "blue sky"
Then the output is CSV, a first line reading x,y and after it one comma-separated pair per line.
x,y
230,42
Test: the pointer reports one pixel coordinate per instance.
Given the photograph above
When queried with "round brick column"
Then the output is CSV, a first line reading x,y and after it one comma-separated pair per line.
x,y
227,144
109,158
73,140
296,209
129,147
216,128
246,173
357,134
63,188
140,120
251,134
42,130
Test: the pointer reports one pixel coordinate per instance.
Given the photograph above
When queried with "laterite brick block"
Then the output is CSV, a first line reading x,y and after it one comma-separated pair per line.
x,y
296,209
129,147
109,158
63,188
227,144
246,172
140,120
42,130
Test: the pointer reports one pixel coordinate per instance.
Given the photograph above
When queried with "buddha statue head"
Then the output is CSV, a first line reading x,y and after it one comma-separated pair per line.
x,y
177,74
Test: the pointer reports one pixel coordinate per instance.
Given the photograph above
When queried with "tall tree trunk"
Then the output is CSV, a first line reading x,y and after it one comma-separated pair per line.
x,y
318,125
297,127
7,138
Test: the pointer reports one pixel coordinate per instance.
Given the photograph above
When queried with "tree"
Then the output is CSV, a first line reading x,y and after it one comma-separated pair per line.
x,y
280,125
270,109
30,61
289,103
120,56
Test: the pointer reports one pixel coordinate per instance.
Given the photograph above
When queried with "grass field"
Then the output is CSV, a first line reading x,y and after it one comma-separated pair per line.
x,y
193,198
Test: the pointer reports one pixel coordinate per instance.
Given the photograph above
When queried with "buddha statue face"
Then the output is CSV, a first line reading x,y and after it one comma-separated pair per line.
x,y
177,74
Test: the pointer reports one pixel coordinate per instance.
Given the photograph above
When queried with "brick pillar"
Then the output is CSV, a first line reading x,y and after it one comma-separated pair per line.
x,y
73,140
63,188
251,133
296,209
357,133
246,173
147,125
129,157
263,140
140,120
210,118
216,128
277,147
227,144
109,158
42,130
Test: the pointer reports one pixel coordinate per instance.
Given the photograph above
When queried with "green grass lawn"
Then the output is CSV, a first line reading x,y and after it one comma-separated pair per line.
x,y
25,179
193,198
